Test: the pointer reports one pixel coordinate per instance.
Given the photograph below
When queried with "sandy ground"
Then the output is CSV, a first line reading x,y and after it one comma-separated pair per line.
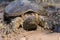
x,y
21,34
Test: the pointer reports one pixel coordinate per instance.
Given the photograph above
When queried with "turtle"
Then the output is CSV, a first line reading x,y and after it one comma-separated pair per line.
x,y
20,8
50,20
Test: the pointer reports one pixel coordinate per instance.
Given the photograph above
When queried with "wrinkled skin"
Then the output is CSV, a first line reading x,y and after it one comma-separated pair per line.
x,y
19,7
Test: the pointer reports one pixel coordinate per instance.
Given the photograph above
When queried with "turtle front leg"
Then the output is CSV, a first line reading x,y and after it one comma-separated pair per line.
x,y
45,23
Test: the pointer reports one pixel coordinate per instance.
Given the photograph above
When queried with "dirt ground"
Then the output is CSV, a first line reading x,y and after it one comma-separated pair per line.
x,y
21,34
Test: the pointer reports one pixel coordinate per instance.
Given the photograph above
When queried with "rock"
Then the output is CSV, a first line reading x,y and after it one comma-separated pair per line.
x,y
56,28
50,10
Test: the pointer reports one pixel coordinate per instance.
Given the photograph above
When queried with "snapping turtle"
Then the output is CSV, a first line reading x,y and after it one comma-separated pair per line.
x,y
50,21
20,7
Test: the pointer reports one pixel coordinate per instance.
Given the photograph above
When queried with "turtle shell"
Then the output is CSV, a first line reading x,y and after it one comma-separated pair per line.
x,y
20,7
